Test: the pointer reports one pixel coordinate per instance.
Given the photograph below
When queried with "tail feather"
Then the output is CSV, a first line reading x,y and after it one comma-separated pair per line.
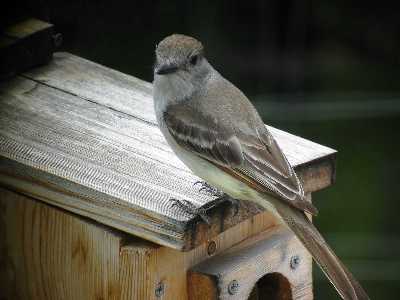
x,y
344,282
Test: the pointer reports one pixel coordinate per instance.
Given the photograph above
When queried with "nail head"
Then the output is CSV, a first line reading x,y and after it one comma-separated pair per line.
x,y
233,287
294,262
211,248
159,290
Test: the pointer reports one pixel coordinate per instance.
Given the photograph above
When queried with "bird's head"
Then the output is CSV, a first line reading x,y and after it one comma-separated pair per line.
x,y
180,67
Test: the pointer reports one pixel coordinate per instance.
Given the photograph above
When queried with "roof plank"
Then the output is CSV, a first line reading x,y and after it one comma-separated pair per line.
x,y
84,137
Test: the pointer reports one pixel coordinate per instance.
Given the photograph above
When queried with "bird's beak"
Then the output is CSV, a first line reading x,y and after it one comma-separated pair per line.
x,y
166,69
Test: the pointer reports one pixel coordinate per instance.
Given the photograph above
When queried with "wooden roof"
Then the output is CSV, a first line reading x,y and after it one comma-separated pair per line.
x,y
83,137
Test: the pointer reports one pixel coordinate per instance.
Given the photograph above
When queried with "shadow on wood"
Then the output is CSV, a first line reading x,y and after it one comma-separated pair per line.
x,y
265,261
273,286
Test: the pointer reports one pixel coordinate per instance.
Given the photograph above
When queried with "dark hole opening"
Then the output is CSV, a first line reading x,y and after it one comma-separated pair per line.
x,y
273,286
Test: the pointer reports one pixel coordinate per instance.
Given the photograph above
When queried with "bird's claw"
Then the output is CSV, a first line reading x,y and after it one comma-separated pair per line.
x,y
191,209
208,189
221,196
225,197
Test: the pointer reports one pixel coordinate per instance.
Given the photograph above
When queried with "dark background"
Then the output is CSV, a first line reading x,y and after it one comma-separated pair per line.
x,y
325,70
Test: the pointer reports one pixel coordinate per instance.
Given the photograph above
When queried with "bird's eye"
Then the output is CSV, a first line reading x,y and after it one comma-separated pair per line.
x,y
194,59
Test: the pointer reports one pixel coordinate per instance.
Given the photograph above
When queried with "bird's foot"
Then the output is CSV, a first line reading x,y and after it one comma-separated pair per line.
x,y
208,189
191,209
221,196
225,197
201,212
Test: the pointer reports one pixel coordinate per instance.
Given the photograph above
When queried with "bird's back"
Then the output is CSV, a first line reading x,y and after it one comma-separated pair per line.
x,y
233,108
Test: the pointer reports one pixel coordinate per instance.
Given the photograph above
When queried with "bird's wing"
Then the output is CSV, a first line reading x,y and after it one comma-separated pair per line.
x,y
252,155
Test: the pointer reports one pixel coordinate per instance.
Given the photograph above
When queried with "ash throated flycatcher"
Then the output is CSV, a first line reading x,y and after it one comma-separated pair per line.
x,y
215,130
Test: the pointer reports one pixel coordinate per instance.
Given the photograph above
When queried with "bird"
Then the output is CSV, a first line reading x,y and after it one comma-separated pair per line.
x,y
218,134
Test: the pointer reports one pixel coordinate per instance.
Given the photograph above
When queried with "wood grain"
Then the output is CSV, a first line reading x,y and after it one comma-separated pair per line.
x,y
88,142
46,253
132,96
49,253
169,266
247,262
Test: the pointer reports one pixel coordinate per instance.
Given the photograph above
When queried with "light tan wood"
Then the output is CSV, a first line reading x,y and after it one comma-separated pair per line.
x,y
48,253
201,286
136,270
169,266
246,263
88,143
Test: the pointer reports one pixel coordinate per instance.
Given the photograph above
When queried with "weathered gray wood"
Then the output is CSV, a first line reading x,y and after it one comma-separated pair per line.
x,y
133,96
99,84
83,137
247,262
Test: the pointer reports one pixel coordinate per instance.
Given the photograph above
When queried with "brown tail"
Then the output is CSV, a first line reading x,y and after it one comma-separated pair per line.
x,y
344,282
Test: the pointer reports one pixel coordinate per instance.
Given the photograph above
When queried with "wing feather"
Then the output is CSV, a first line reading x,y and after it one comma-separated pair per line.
x,y
255,158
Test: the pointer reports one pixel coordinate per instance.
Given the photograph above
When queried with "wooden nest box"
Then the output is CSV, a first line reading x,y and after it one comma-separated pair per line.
x,y
86,178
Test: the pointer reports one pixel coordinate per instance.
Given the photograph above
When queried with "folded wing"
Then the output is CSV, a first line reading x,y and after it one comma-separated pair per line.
x,y
250,154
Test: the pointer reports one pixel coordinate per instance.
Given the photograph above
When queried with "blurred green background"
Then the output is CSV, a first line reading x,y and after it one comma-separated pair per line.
x,y
325,70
